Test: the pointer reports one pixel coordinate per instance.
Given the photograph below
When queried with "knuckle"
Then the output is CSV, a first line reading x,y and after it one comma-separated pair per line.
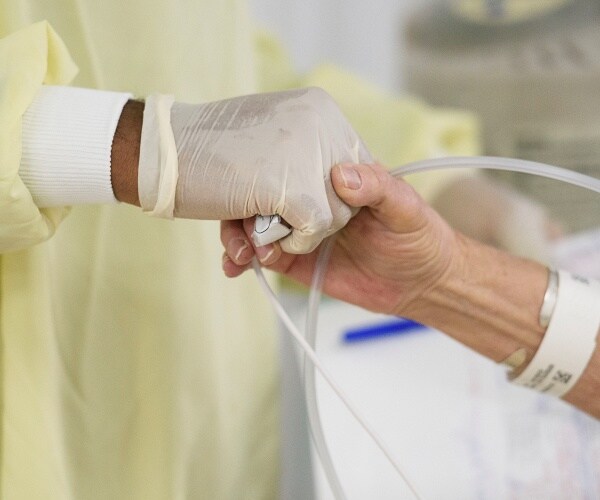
x,y
322,224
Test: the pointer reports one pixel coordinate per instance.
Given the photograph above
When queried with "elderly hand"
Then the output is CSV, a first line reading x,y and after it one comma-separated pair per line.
x,y
395,249
398,256
265,154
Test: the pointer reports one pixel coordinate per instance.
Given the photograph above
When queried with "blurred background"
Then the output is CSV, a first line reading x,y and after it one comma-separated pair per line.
x,y
528,72
365,38
529,69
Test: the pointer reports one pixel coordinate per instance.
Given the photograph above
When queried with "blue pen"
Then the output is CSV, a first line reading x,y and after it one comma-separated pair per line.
x,y
385,329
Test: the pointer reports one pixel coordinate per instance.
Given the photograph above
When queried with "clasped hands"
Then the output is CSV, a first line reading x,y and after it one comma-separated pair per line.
x,y
385,259
294,154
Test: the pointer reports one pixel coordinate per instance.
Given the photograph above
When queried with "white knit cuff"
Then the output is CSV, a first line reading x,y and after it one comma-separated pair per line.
x,y
67,140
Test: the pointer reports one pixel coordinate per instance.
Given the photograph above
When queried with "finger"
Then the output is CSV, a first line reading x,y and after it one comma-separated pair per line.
x,y
283,262
267,254
231,269
340,211
237,244
392,201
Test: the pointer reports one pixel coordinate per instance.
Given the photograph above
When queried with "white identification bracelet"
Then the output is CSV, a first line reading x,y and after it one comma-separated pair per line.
x,y
570,339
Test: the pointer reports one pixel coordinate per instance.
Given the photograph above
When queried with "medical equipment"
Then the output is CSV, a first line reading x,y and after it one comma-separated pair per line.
x,y
308,342
268,229
504,11
533,82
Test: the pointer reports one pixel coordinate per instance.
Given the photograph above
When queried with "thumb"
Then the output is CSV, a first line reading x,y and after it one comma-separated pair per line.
x,y
391,201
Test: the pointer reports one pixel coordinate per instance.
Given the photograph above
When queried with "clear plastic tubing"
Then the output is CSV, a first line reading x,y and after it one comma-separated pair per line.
x,y
309,340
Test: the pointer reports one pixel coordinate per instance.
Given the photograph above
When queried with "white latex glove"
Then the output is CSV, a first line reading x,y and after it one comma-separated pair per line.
x,y
259,154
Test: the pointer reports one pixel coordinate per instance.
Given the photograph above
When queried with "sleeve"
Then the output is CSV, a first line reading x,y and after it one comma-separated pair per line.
x,y
29,59
67,143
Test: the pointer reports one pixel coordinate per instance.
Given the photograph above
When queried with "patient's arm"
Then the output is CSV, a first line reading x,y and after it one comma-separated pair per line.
x,y
398,256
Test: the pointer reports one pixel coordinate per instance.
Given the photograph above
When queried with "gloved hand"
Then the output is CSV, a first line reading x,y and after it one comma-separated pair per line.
x,y
261,154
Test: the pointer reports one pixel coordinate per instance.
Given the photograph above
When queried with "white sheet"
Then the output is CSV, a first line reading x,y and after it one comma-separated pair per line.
x,y
461,431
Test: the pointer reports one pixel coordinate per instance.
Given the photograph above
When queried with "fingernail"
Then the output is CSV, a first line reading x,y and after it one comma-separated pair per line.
x,y
265,253
350,177
235,248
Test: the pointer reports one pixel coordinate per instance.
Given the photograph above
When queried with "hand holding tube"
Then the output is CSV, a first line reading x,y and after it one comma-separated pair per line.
x,y
393,250
398,256
262,154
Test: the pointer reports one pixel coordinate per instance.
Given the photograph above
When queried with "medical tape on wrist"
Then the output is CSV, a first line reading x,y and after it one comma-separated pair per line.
x,y
159,167
570,339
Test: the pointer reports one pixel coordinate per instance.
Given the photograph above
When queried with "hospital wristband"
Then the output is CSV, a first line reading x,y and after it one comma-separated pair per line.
x,y
67,136
569,341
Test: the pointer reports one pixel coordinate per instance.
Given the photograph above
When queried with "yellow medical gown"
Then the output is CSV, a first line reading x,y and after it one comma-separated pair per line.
x,y
130,367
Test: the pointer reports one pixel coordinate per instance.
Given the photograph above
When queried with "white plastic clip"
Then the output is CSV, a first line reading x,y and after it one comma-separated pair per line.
x,y
269,228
